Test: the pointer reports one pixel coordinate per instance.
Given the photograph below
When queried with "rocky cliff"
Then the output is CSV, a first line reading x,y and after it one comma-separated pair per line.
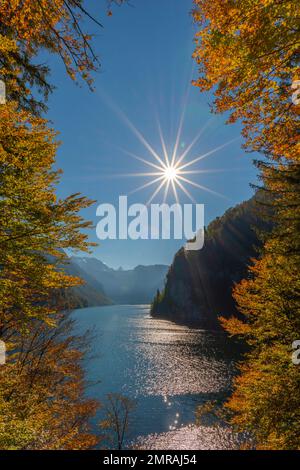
x,y
199,283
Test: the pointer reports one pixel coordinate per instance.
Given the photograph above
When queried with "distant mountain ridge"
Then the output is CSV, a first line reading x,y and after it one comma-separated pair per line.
x,y
89,294
199,283
132,286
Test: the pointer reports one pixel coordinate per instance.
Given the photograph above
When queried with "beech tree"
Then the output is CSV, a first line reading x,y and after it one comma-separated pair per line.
x,y
41,390
248,53
36,226
28,28
42,402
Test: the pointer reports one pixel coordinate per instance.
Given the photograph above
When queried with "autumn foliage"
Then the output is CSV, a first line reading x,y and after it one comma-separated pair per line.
x,y
42,385
41,390
28,28
248,53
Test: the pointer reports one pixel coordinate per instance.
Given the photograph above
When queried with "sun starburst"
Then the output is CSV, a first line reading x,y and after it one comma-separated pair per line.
x,y
171,171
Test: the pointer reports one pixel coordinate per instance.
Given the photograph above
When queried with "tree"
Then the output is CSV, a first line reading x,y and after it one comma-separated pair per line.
x,y
117,418
41,390
36,226
249,53
42,383
156,301
29,27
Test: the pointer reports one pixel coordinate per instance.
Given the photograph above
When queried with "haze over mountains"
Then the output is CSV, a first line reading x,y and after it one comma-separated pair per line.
x,y
105,285
196,288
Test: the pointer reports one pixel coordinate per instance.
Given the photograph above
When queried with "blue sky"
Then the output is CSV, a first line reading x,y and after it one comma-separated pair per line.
x,y
145,51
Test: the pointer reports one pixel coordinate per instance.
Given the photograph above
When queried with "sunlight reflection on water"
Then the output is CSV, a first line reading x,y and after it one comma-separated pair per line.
x,y
175,360
168,369
190,438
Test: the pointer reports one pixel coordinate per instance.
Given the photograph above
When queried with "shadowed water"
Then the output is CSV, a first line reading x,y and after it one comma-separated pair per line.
x,y
168,369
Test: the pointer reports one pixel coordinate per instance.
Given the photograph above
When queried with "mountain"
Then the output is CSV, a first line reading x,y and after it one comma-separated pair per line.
x,y
90,294
199,283
133,286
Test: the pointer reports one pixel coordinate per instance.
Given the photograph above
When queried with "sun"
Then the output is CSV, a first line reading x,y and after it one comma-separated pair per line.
x,y
171,173
171,168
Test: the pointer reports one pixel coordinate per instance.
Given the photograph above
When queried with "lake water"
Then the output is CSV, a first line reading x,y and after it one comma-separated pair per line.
x,y
167,369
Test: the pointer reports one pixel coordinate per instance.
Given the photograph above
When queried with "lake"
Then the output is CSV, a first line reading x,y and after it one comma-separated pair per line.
x,y
168,369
